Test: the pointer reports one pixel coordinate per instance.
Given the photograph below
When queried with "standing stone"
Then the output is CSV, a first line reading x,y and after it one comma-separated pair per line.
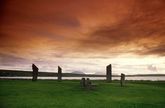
x,y
59,75
88,84
109,73
122,80
83,82
35,72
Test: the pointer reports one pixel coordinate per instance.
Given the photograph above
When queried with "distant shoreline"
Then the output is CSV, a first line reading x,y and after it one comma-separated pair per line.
x,y
129,78
29,73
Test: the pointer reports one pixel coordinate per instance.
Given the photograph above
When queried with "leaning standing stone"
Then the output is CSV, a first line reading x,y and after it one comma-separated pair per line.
x,y
35,72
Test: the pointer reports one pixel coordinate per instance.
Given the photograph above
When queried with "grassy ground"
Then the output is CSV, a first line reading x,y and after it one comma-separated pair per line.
x,y
69,94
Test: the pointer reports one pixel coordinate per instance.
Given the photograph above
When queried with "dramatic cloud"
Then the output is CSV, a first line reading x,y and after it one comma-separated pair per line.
x,y
54,31
143,28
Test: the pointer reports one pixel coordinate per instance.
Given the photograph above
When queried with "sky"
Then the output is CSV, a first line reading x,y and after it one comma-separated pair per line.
x,y
83,35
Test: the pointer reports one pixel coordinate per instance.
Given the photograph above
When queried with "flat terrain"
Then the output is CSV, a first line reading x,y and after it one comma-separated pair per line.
x,y
69,94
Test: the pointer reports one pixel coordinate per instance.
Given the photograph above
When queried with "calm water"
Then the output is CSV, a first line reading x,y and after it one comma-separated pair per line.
x,y
156,78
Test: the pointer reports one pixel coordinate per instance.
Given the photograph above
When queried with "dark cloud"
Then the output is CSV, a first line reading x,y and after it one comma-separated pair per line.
x,y
11,60
94,27
159,50
2,7
36,12
144,26
76,32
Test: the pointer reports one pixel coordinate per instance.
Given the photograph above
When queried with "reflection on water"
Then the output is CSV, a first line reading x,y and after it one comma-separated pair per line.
x,y
156,78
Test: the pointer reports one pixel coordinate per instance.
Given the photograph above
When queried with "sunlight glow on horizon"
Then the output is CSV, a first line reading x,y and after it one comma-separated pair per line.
x,y
97,65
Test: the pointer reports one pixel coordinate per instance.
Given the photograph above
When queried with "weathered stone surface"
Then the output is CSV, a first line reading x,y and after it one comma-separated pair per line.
x,y
83,83
122,79
87,84
109,73
35,72
59,75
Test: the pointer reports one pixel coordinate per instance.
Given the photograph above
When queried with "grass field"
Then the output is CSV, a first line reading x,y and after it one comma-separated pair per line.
x,y
69,94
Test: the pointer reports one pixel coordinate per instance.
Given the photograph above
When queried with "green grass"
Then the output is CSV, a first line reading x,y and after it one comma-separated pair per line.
x,y
69,94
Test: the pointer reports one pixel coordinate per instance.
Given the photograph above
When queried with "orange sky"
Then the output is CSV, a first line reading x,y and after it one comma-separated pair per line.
x,y
83,33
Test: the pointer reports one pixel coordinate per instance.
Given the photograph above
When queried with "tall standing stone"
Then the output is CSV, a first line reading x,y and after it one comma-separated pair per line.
x,y
35,72
59,75
122,79
109,73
